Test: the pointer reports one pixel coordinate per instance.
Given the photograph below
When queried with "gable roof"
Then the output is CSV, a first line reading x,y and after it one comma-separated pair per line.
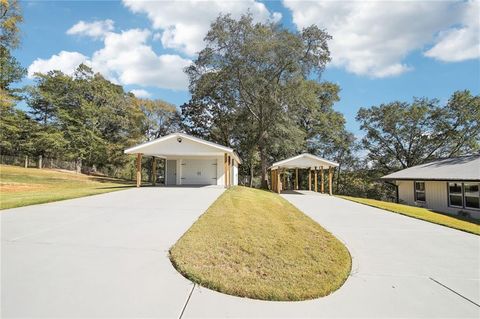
x,y
305,160
141,148
465,168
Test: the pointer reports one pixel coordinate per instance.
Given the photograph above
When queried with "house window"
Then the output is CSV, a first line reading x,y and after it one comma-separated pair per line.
x,y
464,195
419,191
455,194
472,195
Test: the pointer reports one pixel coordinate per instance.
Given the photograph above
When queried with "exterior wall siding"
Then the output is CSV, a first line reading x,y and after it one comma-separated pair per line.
x,y
436,195
405,192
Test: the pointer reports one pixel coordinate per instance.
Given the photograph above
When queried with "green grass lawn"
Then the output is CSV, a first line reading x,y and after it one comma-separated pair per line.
x,y
253,243
27,186
421,213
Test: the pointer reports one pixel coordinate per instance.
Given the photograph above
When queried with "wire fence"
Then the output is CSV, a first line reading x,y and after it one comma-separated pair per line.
x,y
38,162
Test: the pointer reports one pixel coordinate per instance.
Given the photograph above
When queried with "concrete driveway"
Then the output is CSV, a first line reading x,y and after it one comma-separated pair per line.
x,y
106,256
98,256
402,267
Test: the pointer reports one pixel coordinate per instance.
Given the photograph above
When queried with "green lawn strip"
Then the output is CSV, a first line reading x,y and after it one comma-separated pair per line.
x,y
27,186
469,226
253,243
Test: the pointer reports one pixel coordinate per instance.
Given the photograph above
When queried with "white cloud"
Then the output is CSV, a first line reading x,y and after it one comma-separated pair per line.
x,y
373,37
460,43
65,61
184,24
96,29
141,93
126,58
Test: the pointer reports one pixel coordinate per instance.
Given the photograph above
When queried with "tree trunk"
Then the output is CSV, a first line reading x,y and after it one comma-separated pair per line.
x,y
263,165
338,176
251,175
40,161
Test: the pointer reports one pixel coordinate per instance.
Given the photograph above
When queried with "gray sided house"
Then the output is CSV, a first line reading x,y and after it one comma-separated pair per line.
x,y
449,185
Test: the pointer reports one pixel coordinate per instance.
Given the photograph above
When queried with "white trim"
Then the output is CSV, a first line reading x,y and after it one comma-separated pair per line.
x,y
137,148
308,155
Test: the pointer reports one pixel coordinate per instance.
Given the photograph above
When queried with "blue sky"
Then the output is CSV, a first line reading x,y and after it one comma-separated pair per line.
x,y
382,51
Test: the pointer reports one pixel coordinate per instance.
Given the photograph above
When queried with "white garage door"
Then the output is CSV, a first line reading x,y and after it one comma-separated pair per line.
x,y
199,172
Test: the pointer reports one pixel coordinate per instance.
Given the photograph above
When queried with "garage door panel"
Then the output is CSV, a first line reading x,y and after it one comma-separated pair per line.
x,y
195,171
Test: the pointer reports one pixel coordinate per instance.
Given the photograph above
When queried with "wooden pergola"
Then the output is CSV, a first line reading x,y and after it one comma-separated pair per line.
x,y
313,164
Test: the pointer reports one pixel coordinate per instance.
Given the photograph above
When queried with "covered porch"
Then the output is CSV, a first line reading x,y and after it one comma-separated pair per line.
x,y
284,175
187,160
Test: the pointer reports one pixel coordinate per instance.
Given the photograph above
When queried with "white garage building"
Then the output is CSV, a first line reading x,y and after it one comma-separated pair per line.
x,y
189,160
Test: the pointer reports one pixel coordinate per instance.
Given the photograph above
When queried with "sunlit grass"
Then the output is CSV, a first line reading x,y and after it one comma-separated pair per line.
x,y
27,186
253,243
420,213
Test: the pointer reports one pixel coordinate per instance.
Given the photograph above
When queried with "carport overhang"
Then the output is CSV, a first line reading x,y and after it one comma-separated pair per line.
x,y
180,145
306,161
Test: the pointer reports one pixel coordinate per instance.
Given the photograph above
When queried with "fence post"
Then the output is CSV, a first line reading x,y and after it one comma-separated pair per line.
x,y
78,165
39,161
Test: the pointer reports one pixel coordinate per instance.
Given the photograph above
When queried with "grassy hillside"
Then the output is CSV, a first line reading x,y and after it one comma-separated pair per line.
x,y
27,186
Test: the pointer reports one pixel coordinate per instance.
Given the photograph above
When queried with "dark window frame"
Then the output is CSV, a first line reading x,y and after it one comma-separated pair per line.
x,y
462,184
424,191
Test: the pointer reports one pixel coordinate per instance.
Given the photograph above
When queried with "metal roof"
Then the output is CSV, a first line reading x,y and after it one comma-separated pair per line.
x,y
465,168
304,160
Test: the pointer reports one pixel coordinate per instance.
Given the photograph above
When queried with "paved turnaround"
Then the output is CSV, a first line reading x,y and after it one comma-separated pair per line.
x,y
402,267
106,256
99,256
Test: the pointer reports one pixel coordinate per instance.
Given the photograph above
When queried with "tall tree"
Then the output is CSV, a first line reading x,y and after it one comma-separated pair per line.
x,y
161,118
15,125
10,70
244,72
84,117
400,134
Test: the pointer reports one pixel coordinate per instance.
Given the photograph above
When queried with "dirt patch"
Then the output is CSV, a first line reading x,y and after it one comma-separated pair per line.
x,y
21,187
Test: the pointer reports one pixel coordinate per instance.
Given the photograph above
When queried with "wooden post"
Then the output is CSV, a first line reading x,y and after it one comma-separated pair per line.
x,y
296,178
229,172
279,182
284,183
271,179
225,170
309,179
274,187
26,161
139,169
330,176
322,182
315,180
154,171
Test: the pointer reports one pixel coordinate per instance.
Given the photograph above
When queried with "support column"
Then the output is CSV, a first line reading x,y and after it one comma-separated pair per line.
x,y
229,172
274,180
139,169
225,170
316,180
279,182
330,176
154,170
309,179
284,183
296,178
322,181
